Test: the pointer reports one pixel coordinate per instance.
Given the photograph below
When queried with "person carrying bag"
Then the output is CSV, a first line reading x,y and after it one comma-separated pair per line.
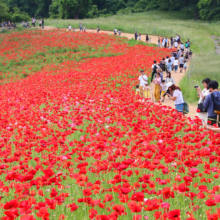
x,y
201,110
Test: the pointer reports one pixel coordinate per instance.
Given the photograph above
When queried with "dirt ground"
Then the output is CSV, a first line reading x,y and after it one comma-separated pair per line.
x,y
177,76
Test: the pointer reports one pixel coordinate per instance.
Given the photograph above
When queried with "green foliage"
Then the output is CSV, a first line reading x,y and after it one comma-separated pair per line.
x,y
94,13
67,9
74,8
3,10
18,16
209,9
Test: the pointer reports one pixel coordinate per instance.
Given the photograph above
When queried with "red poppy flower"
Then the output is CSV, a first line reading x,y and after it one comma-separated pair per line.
x,y
210,202
174,214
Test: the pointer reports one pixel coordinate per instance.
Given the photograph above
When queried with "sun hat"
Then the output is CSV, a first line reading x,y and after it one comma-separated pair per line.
x,y
169,84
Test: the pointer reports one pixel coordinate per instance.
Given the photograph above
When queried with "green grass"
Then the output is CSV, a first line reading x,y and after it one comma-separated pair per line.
x,y
205,64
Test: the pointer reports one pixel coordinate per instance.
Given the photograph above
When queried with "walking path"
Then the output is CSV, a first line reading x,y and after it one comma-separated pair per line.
x,y
177,76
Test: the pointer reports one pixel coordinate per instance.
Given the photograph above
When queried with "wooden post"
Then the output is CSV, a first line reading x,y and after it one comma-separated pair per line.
x,y
218,113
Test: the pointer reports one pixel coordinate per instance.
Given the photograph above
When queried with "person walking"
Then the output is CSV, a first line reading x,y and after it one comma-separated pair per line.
x,y
185,65
158,42
169,66
175,44
202,95
165,42
175,64
163,65
115,31
171,42
177,96
42,23
147,38
154,70
136,35
157,82
142,80
181,63
80,27
139,36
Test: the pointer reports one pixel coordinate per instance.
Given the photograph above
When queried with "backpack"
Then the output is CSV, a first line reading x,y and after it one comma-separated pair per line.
x,y
216,105
155,68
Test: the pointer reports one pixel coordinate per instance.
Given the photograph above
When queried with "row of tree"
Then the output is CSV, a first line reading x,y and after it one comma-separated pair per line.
x,y
18,10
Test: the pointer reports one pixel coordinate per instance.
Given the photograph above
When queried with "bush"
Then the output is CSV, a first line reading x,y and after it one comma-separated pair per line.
x,y
124,11
19,16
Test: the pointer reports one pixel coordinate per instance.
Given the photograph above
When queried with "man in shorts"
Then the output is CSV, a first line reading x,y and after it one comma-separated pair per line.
x,y
181,63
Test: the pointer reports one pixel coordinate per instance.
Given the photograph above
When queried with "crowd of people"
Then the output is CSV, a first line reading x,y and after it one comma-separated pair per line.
x,y
165,86
8,25
34,23
12,25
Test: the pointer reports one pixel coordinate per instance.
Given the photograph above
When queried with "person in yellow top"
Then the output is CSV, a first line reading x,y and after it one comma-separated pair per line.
x,y
146,90
137,92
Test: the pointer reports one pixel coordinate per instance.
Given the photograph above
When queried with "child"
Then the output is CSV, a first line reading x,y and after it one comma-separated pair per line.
x,y
149,40
163,88
137,90
185,65
139,36
146,90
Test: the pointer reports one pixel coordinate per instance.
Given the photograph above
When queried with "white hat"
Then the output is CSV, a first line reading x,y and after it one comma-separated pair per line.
x,y
169,84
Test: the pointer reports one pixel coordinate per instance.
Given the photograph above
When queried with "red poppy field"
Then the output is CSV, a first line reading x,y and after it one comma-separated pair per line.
x,y
76,143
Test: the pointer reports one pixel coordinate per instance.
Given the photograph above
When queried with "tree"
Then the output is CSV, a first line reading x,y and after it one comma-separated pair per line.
x,y
54,9
43,8
18,16
3,10
74,8
209,9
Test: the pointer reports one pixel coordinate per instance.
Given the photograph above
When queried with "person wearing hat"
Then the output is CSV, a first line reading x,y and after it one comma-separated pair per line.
x,y
177,96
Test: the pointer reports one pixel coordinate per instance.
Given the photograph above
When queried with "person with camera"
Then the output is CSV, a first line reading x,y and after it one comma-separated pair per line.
x,y
212,102
212,128
177,96
201,111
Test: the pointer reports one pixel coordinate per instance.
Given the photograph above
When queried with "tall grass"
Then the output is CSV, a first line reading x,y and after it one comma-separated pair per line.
x,y
205,64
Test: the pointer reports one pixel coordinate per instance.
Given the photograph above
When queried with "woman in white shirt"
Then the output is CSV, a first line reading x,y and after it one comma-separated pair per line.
x,y
177,96
142,80
202,95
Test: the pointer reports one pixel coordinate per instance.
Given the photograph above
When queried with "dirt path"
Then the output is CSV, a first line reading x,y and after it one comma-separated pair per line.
x,y
177,76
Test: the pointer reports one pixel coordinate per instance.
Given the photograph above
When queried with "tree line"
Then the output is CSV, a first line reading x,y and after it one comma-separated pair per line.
x,y
18,10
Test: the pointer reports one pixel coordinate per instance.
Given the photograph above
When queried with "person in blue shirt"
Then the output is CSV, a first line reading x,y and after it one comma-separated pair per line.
x,y
208,103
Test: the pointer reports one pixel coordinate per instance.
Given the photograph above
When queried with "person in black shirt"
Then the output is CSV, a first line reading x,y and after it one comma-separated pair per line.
x,y
42,23
147,38
136,35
